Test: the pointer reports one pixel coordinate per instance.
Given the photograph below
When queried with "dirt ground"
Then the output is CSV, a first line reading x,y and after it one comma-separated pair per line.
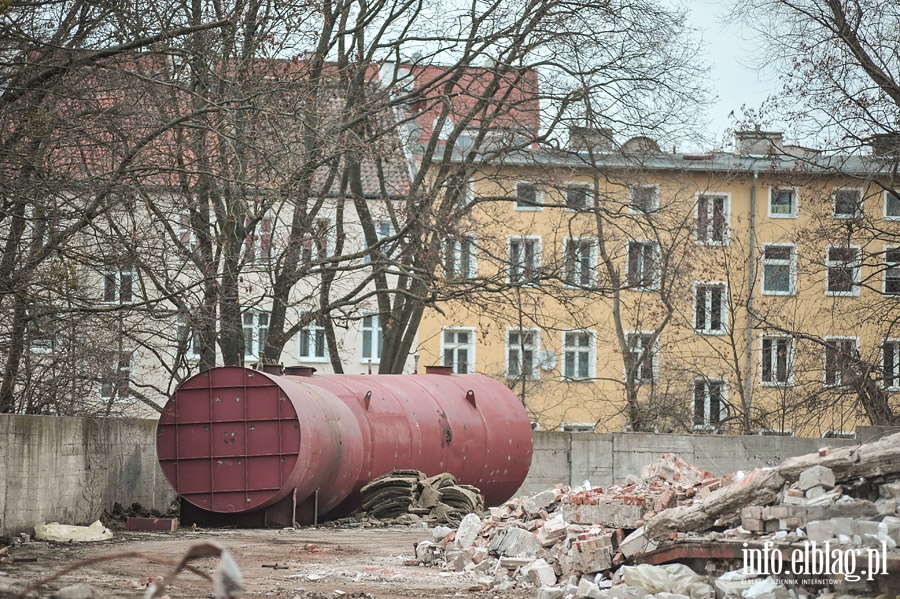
x,y
312,562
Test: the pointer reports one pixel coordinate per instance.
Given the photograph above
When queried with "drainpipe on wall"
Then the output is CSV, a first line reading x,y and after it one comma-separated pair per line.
x,y
751,281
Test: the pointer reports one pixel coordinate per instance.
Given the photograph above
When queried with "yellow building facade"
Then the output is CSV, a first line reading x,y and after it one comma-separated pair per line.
x,y
634,289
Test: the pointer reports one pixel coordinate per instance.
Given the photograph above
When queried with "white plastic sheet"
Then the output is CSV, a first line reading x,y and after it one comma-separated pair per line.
x,y
671,578
67,532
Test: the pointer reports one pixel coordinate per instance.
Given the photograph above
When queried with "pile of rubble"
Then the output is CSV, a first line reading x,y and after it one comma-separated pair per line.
x,y
438,498
584,542
117,517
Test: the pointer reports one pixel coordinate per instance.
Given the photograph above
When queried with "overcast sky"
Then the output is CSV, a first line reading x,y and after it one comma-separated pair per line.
x,y
730,51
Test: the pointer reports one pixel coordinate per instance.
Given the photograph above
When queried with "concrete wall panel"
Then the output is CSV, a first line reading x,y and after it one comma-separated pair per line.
x,y
608,458
70,469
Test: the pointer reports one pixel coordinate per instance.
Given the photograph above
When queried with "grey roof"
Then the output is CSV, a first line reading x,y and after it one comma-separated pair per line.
x,y
791,159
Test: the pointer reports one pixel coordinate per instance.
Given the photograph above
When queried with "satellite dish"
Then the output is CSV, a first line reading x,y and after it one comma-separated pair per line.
x,y
548,359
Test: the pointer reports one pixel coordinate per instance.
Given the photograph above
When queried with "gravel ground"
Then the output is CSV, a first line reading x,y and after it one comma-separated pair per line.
x,y
314,562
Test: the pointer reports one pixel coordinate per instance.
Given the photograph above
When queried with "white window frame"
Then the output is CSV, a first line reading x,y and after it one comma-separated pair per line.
x,y
117,272
887,267
538,251
41,344
654,358
791,263
857,271
895,370
187,238
655,275
310,242
468,191
773,365
310,332
654,202
707,424
470,348
538,197
858,212
591,351
885,198
256,242
42,339
588,195
377,341
723,308
184,335
591,242
384,228
710,226
457,249
838,382
794,205
257,338
535,350
114,395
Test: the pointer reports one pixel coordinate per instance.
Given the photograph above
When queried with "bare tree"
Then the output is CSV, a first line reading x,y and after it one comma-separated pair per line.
x,y
184,163
53,188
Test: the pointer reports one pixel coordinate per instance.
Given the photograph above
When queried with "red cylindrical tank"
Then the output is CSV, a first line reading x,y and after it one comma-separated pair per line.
x,y
233,440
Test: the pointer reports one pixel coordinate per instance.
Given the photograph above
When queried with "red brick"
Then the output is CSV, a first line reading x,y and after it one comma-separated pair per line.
x,y
163,524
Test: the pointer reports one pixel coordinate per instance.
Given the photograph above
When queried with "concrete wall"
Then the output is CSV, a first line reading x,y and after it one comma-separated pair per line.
x,y
70,469
608,458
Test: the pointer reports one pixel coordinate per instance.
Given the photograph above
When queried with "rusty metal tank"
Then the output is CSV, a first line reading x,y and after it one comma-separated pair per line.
x,y
239,441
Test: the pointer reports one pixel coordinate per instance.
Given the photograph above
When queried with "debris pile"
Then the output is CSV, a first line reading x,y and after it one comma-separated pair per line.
x,y
564,534
581,542
117,517
439,498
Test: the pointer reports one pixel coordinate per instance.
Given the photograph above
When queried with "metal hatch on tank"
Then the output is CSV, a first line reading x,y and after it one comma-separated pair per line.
x,y
252,448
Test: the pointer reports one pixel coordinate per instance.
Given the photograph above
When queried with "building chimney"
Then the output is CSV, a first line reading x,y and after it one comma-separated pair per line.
x,y
589,138
758,143
885,144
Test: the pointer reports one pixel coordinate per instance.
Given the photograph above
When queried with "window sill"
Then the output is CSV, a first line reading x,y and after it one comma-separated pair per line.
x,y
707,428
718,244
842,293
533,284
528,208
304,360
777,384
793,215
779,293
713,332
